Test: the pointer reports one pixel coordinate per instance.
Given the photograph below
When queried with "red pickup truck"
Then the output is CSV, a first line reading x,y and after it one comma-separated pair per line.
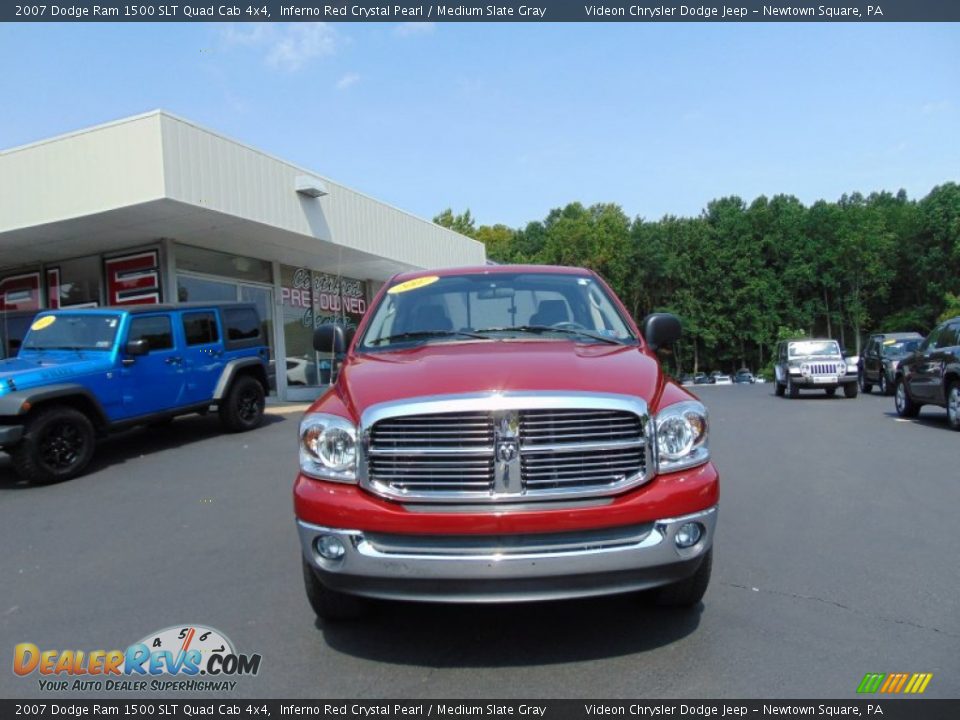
x,y
503,433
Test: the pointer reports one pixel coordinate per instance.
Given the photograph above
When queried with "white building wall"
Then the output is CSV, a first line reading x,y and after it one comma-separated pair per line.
x,y
210,171
81,174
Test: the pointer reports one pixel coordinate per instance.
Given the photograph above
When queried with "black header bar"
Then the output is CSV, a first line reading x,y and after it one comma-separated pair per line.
x,y
176,709
733,11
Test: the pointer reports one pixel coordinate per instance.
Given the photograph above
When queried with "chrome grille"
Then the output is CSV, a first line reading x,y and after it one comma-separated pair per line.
x,y
825,368
456,456
448,430
547,427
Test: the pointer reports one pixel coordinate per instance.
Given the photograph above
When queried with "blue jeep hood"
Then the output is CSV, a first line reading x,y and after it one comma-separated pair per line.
x,y
50,367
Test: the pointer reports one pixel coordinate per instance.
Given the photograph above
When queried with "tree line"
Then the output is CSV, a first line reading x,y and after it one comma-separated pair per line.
x,y
742,276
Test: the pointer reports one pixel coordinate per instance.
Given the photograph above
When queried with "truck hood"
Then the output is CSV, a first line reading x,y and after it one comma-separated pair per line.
x,y
497,366
45,368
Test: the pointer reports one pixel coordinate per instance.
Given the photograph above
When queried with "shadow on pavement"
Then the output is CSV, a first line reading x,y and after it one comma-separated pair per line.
x,y
140,441
464,636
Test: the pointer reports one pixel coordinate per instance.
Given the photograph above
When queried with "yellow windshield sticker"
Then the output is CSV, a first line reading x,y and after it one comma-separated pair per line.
x,y
890,342
44,322
413,284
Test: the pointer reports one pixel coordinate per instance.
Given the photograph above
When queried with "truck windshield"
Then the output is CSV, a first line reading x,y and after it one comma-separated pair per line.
x,y
72,332
496,306
814,348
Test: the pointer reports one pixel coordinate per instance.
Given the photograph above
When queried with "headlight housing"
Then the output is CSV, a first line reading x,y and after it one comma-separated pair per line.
x,y
682,431
328,447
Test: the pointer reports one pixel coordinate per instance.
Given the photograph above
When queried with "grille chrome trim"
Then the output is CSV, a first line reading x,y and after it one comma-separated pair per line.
x,y
537,422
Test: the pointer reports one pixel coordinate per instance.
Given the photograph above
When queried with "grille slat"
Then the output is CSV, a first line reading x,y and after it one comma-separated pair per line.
x,y
451,456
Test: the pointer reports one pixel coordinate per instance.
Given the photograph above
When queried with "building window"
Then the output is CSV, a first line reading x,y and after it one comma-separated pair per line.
x,y
75,283
309,299
210,262
200,328
194,289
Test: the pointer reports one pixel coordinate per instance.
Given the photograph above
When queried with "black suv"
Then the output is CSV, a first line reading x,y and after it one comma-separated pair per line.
x,y
931,375
881,356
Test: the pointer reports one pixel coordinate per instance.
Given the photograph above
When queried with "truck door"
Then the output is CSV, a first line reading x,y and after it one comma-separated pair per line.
x,y
202,354
152,382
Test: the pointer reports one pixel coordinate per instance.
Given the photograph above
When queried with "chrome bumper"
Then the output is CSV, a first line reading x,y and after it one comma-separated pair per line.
x,y
508,568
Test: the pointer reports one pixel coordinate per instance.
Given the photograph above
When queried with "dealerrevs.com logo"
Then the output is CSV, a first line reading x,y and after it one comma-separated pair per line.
x,y
179,658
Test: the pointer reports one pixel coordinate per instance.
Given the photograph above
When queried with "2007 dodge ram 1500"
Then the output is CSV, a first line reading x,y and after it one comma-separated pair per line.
x,y
503,433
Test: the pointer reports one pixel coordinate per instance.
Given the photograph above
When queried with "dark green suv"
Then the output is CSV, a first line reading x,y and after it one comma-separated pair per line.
x,y
931,375
881,356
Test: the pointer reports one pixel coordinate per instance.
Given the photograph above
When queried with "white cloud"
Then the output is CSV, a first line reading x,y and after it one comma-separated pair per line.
x,y
286,46
347,80
411,29
932,108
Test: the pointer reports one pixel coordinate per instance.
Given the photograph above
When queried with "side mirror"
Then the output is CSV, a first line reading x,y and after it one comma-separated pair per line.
x,y
329,338
661,329
136,348
349,335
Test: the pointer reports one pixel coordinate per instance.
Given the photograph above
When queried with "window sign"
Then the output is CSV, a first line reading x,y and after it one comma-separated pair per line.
x,y
20,291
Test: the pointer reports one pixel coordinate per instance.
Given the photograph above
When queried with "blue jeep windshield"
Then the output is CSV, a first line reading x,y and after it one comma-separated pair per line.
x,y
72,332
501,306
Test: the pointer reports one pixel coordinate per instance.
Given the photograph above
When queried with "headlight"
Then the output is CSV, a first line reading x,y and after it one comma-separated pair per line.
x,y
682,436
328,447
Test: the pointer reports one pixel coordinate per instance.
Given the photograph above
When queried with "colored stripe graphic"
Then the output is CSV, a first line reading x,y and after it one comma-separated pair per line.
x,y
893,683
871,682
918,683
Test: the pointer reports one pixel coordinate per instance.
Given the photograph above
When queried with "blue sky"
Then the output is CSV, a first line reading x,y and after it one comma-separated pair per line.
x,y
511,120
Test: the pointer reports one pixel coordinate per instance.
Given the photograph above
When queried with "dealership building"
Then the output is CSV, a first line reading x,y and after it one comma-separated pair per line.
x,y
155,208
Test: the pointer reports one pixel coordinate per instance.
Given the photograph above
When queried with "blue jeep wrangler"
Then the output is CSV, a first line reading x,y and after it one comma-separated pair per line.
x,y
81,374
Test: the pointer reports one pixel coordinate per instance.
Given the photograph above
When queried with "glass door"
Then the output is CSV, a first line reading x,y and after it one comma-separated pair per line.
x,y
262,297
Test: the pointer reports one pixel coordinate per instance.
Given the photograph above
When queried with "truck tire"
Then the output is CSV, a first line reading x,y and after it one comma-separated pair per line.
x,y
242,408
906,408
778,390
953,405
792,390
329,604
865,387
850,390
57,445
688,592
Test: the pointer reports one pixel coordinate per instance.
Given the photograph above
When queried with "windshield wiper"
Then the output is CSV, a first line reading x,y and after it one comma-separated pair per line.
x,y
426,335
540,329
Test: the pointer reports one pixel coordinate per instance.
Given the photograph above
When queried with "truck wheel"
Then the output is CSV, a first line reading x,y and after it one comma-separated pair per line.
x,y
830,391
866,387
884,387
57,445
850,390
329,604
778,390
792,390
689,592
906,408
242,408
953,405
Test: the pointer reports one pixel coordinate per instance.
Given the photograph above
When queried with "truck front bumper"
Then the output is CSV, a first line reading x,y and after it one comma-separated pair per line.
x,y
502,568
822,382
10,435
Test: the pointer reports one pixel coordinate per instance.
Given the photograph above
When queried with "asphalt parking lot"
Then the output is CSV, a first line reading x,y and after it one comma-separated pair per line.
x,y
836,555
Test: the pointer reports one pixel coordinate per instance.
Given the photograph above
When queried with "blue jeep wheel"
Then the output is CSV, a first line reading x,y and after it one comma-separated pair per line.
x,y
242,408
57,445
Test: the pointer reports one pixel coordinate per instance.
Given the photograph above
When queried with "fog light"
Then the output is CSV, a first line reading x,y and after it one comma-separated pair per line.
x,y
329,547
688,535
